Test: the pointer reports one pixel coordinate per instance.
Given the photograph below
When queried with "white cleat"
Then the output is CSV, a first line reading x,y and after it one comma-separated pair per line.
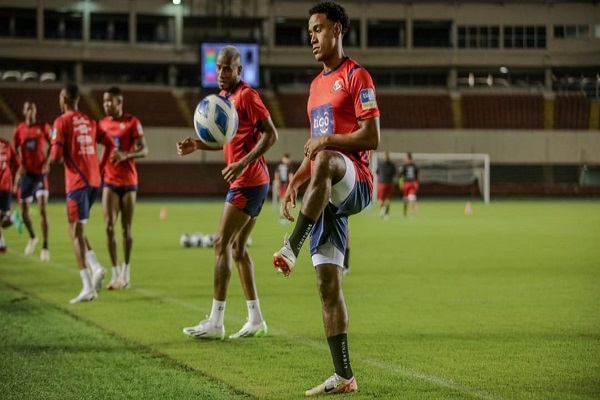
x,y
333,385
45,255
249,330
206,330
114,283
284,259
30,246
84,296
97,277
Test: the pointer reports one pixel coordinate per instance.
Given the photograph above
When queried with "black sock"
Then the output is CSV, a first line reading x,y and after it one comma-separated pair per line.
x,y
338,345
45,245
300,233
347,258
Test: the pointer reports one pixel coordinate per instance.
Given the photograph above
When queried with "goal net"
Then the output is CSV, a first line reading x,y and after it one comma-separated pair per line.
x,y
442,168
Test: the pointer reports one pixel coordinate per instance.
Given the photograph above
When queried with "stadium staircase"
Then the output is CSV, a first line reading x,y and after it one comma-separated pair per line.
x,y
8,115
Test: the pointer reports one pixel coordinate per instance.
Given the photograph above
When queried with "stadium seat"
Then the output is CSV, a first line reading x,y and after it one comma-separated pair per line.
x,y
12,75
48,77
29,76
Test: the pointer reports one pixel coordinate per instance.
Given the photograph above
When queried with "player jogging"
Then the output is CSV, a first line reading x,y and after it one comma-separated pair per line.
x,y
386,172
9,162
409,173
31,140
74,138
120,181
248,178
344,126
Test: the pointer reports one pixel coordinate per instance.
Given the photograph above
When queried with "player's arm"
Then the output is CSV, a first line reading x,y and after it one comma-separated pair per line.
x,y
268,139
366,137
109,146
57,145
140,150
189,145
46,167
16,165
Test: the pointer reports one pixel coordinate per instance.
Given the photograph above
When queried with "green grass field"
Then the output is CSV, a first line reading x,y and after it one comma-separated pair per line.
x,y
501,304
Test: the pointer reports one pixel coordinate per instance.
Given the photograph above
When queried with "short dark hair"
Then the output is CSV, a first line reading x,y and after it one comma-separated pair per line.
x,y
72,92
334,12
115,91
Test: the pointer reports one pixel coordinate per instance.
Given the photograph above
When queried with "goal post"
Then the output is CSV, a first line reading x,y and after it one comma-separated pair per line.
x,y
444,168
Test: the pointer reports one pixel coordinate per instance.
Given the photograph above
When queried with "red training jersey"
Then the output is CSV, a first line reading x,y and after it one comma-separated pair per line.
x,y
338,100
30,141
251,111
77,135
9,162
124,132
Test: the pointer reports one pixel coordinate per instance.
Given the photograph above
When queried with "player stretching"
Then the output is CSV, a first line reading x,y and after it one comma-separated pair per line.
x,y
120,180
248,178
31,139
344,126
74,138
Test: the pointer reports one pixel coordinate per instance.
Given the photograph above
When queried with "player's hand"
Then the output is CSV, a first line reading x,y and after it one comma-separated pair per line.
x,y
288,201
186,146
118,156
313,146
232,171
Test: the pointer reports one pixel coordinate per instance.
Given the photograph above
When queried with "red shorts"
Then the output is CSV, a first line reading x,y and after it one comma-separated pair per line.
x,y
410,188
384,191
282,189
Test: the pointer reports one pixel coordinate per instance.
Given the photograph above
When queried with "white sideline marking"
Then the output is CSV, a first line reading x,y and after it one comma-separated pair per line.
x,y
398,369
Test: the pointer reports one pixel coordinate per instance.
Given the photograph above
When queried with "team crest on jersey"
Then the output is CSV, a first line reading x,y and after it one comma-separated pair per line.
x,y
322,120
367,99
337,86
122,126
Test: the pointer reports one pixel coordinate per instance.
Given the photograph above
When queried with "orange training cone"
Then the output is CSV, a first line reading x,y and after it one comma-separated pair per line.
x,y
163,213
468,208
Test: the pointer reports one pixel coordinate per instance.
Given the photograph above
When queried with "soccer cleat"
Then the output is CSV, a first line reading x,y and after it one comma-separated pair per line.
x,y
249,330
31,246
17,219
122,282
333,385
2,249
284,259
84,295
114,283
97,277
206,330
45,255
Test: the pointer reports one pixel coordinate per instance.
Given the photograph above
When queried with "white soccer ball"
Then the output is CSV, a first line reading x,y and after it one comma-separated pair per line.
x,y
196,239
184,240
215,121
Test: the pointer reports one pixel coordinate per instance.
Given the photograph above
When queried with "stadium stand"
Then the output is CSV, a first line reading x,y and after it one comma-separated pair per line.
x,y
415,111
571,111
502,111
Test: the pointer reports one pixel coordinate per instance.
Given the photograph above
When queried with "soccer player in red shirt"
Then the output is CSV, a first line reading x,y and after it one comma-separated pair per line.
x,y
248,178
410,186
283,176
74,138
120,180
344,127
31,139
9,162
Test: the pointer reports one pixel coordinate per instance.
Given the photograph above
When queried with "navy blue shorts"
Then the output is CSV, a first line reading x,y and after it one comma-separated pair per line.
x,y
79,203
121,190
248,199
4,201
31,184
